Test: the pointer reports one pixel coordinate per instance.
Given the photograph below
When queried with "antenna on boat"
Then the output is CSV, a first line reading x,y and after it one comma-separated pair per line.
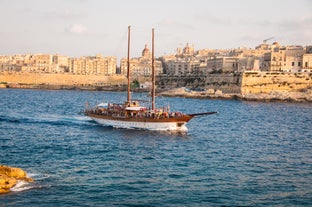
x,y
153,72
128,67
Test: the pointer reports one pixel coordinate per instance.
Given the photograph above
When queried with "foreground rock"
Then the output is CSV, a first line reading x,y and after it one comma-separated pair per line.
x,y
9,176
292,96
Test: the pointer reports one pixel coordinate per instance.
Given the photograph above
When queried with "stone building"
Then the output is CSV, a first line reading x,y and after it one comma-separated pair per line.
x,y
307,60
284,59
93,65
6,64
187,51
39,63
46,63
184,62
188,62
307,63
62,62
222,65
141,66
182,66
248,63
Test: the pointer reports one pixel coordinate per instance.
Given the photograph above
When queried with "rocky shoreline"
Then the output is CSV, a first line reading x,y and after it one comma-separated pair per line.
x,y
304,96
9,176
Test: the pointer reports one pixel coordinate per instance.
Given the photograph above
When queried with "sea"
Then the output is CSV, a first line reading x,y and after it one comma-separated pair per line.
x,y
249,154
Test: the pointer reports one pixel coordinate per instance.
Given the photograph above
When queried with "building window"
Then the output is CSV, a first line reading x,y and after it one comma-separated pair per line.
x,y
299,64
293,64
306,64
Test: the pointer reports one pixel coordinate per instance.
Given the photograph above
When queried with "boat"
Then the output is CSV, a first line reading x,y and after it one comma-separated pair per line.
x,y
132,115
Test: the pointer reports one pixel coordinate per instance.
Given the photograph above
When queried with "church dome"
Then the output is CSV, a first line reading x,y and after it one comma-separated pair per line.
x,y
146,52
188,50
276,44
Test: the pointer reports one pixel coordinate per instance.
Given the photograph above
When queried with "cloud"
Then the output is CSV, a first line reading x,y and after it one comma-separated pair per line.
x,y
77,29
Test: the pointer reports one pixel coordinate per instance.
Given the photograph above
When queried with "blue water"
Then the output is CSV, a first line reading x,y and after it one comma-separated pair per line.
x,y
250,154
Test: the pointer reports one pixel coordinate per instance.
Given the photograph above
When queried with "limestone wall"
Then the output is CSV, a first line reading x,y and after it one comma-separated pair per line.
x,y
246,83
266,82
26,78
225,82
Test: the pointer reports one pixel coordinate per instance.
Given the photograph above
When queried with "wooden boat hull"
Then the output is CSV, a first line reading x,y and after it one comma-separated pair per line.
x,y
154,124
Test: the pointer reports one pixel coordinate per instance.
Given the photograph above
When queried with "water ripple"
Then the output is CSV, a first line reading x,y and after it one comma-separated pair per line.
x,y
250,154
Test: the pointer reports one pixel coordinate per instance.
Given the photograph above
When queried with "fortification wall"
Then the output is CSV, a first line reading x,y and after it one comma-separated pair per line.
x,y
225,82
25,78
266,82
229,83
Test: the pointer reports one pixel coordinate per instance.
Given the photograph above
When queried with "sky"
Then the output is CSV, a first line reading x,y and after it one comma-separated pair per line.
x,y
78,28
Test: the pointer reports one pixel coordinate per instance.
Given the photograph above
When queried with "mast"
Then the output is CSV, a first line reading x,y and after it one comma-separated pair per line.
x,y
153,72
128,67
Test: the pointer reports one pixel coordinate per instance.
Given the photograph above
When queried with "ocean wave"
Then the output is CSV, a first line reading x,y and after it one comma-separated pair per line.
x,y
24,185
48,119
8,119
38,176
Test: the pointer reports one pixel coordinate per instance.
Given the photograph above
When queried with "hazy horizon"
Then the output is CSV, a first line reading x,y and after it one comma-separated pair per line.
x,y
89,27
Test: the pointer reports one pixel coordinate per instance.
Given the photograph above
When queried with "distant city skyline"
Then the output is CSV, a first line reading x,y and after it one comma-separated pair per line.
x,y
88,27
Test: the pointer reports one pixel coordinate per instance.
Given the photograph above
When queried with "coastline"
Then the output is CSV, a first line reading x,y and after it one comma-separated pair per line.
x,y
88,87
302,96
260,86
